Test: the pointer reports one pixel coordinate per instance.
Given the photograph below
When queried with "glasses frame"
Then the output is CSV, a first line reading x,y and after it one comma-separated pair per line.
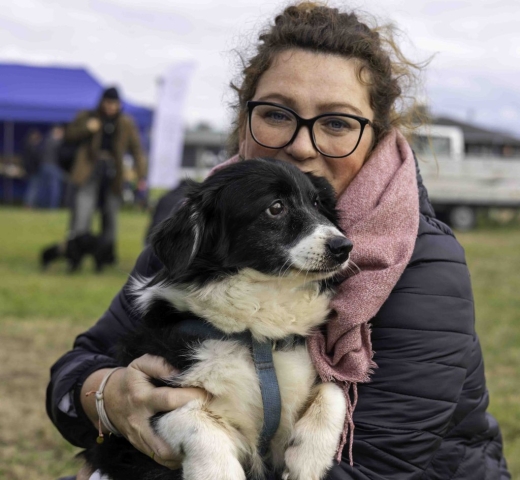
x,y
306,122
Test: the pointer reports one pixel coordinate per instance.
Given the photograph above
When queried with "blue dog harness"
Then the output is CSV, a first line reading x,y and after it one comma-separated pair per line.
x,y
262,353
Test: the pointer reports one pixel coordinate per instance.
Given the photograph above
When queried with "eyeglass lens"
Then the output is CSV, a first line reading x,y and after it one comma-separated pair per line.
x,y
334,135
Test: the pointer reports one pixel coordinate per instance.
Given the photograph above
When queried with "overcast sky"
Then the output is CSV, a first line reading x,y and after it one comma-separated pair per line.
x,y
474,75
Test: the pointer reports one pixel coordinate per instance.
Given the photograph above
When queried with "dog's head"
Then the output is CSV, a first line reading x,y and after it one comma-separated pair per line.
x,y
262,214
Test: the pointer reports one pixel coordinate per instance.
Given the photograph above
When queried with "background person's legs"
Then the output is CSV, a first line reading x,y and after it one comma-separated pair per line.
x,y
109,212
83,207
109,203
81,241
105,254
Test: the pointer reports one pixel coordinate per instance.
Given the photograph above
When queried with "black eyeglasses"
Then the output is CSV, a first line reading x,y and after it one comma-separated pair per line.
x,y
334,135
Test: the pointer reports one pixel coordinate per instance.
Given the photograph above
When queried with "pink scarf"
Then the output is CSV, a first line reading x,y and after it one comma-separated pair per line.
x,y
379,213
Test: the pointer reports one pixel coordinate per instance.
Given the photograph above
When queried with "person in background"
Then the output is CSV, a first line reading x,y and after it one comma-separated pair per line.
x,y
51,174
31,159
103,136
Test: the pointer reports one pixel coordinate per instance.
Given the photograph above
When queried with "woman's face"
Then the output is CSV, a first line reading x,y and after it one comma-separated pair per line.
x,y
311,84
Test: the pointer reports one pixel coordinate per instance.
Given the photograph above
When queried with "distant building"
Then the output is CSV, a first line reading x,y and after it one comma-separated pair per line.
x,y
204,148
481,142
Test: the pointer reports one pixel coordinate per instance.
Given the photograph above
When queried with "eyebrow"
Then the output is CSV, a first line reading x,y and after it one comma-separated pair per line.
x,y
325,107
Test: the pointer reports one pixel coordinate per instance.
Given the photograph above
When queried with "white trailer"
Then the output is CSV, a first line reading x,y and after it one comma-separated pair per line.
x,y
460,185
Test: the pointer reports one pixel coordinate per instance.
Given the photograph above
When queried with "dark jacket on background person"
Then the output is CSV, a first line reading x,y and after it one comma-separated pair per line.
x,y
422,416
126,138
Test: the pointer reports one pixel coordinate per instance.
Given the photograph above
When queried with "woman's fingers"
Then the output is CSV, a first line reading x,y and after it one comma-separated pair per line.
x,y
152,366
166,399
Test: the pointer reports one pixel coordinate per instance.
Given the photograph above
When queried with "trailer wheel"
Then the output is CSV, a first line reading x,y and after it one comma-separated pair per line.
x,y
463,218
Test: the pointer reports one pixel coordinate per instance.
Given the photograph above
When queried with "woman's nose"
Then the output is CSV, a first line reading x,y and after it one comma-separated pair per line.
x,y
302,147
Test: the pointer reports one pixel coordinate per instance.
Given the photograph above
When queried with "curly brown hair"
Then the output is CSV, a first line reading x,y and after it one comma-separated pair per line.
x,y
318,28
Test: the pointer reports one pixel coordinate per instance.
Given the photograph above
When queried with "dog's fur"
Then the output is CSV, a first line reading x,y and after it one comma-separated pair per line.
x,y
253,248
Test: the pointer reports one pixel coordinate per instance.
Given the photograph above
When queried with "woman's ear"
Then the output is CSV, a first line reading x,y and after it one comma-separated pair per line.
x,y
177,239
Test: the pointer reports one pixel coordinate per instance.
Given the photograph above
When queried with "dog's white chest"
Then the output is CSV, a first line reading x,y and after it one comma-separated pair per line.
x,y
226,370
269,307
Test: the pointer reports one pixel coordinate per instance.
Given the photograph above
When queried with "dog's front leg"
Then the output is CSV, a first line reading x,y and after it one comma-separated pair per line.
x,y
316,435
205,442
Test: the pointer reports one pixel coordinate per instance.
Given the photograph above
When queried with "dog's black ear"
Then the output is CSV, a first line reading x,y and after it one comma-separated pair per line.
x,y
327,197
177,239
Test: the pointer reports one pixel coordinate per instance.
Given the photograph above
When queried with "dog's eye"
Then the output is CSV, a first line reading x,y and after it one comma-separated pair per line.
x,y
275,209
316,202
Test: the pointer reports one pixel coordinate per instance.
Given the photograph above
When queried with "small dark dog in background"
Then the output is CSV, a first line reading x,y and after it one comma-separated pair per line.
x,y
74,250
255,248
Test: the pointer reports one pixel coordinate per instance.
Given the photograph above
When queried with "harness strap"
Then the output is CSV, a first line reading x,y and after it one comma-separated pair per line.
x,y
263,359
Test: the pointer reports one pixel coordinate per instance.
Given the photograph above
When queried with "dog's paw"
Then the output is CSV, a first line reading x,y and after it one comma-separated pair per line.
x,y
304,461
315,438
221,468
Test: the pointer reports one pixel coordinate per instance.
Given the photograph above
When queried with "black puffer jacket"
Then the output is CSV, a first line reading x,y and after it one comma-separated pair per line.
x,y
423,415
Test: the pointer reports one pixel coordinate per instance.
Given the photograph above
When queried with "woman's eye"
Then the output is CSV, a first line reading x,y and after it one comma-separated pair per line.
x,y
276,116
275,209
336,125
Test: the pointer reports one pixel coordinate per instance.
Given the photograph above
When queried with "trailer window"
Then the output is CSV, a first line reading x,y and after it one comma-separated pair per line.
x,y
439,146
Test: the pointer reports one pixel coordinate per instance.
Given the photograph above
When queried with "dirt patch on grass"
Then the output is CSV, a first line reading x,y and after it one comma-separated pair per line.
x,y
30,446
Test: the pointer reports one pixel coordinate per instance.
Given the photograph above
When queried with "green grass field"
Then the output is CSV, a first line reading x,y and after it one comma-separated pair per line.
x,y
40,314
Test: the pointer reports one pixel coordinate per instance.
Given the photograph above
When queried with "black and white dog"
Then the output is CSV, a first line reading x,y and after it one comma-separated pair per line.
x,y
253,249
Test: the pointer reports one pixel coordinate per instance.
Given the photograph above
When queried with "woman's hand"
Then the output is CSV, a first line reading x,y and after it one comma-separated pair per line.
x,y
130,401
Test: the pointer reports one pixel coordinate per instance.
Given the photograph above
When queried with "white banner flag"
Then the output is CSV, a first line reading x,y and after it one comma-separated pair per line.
x,y
168,127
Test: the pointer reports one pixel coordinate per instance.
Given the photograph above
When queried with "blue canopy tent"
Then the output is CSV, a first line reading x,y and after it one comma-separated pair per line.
x,y
38,97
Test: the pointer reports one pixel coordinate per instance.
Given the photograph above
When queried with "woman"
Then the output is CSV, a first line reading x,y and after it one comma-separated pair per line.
x,y
321,93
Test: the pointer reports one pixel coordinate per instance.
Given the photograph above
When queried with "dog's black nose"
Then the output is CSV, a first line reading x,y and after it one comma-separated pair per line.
x,y
340,248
